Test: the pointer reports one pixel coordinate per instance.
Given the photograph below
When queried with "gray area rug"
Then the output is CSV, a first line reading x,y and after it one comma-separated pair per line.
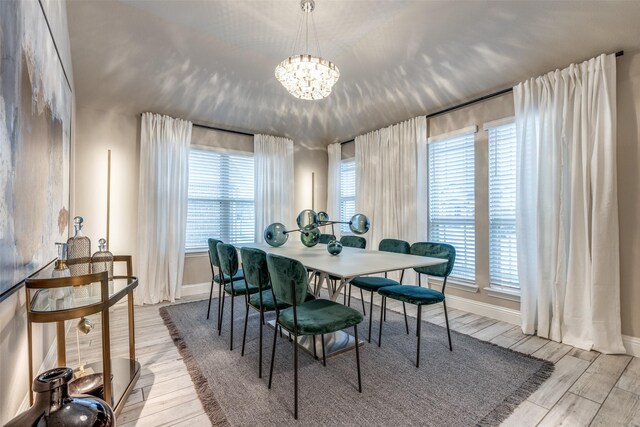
x,y
477,384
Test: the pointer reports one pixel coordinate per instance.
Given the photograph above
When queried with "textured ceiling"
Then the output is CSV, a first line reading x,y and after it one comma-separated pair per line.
x,y
213,62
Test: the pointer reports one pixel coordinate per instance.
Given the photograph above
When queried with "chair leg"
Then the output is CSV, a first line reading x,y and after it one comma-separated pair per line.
x,y
370,315
295,376
273,352
210,298
221,314
244,334
344,296
315,353
446,319
364,311
406,322
355,334
349,300
380,328
231,324
385,310
418,328
324,357
260,349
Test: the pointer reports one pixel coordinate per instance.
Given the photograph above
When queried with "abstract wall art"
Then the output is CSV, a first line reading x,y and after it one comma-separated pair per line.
x,y
35,140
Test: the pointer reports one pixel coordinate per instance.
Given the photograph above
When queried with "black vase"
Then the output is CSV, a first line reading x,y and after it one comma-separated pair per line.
x,y
54,407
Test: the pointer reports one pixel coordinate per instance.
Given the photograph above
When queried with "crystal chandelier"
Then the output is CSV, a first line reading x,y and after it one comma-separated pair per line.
x,y
306,76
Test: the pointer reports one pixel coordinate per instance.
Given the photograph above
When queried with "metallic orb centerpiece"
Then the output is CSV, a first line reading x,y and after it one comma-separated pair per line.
x,y
359,224
307,219
276,234
310,237
334,247
323,217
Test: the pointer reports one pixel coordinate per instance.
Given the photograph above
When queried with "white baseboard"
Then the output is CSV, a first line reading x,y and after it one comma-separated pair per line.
x,y
632,344
483,309
196,289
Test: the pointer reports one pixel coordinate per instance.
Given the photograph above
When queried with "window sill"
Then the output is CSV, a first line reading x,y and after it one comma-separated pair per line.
x,y
196,253
457,284
503,293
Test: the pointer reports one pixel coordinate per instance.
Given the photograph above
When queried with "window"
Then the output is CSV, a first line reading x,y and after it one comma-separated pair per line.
x,y
221,202
503,261
452,199
347,193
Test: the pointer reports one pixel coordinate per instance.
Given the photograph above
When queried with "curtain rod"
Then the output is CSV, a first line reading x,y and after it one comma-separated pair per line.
x,y
217,128
473,101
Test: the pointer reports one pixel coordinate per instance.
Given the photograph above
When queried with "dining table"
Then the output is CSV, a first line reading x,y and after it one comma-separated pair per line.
x,y
341,269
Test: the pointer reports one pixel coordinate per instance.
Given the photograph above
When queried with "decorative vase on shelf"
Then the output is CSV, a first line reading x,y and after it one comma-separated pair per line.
x,y
102,260
79,248
60,298
54,407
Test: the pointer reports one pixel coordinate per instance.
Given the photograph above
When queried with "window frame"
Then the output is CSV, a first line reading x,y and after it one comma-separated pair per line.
x,y
223,152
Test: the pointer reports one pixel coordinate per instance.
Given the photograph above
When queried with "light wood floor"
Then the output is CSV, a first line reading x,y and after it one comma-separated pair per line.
x,y
586,388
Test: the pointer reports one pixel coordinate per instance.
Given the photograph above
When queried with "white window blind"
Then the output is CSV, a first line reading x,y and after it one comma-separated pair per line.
x,y
452,199
347,193
503,260
221,200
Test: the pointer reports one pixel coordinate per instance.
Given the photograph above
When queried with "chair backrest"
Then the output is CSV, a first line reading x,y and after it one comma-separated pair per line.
x,y
286,275
354,242
394,245
213,252
326,238
435,250
228,259
254,266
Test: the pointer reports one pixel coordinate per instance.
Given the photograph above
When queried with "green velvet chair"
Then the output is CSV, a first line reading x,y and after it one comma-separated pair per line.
x,y
350,242
289,283
373,284
418,295
214,262
254,263
228,257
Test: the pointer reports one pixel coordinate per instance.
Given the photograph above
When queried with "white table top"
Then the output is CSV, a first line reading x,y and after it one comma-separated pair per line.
x,y
350,262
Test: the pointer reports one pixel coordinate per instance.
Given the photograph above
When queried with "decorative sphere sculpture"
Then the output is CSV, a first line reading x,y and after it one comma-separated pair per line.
x,y
276,234
307,219
323,217
310,237
359,224
334,247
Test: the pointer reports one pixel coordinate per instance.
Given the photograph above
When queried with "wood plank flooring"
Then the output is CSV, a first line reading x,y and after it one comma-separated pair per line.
x,y
586,388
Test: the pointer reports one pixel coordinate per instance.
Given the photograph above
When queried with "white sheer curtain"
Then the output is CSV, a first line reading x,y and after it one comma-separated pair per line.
x,y
567,205
162,207
387,174
273,157
333,184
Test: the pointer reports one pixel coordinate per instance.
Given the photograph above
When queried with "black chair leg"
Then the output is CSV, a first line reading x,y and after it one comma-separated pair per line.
x,y
244,334
221,314
418,328
370,315
295,376
355,334
210,298
380,328
364,311
385,310
273,352
406,322
446,319
260,349
349,300
315,354
324,357
231,325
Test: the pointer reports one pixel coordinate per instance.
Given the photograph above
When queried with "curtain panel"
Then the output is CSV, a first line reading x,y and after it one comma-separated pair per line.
x,y
388,168
567,207
273,182
333,184
162,207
